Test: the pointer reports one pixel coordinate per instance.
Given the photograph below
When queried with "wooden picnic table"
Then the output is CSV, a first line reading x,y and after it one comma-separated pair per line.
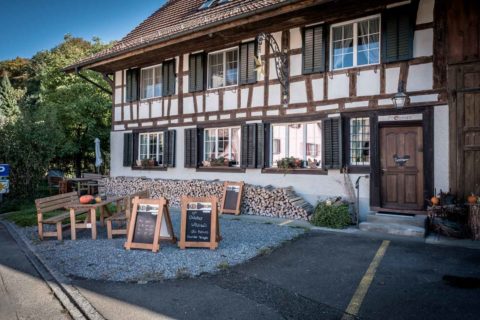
x,y
91,218
78,182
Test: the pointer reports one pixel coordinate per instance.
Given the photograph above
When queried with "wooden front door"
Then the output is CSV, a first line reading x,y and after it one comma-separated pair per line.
x,y
401,164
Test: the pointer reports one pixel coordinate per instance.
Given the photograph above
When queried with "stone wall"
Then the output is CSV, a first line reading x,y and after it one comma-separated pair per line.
x,y
257,200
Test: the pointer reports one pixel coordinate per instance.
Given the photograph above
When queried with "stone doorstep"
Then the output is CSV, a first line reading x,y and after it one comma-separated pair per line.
x,y
418,220
393,228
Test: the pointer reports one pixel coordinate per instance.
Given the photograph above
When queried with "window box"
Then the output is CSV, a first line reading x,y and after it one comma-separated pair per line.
x,y
318,171
221,169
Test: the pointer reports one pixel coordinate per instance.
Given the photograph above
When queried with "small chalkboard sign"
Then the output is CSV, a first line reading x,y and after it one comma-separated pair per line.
x,y
232,197
200,227
150,222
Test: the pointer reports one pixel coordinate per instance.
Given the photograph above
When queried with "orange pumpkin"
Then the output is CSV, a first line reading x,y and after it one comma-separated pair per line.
x,y
472,199
86,199
435,200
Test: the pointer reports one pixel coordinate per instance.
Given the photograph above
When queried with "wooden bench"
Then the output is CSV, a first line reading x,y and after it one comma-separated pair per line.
x,y
123,217
50,204
91,186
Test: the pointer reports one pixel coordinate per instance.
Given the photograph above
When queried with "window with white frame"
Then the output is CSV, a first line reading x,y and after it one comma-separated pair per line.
x,y
222,143
151,80
359,141
151,147
223,68
355,43
299,140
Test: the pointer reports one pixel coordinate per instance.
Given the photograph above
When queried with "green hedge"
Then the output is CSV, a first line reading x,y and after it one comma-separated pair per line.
x,y
334,215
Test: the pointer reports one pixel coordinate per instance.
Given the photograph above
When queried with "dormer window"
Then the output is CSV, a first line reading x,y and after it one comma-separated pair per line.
x,y
210,3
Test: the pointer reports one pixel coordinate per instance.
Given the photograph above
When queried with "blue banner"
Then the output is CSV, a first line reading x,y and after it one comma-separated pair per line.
x,y
4,170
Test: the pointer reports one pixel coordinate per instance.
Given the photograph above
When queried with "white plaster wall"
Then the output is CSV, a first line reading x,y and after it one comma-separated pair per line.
x,y
185,84
126,113
317,87
338,86
368,83
230,100
118,113
212,102
174,107
295,65
156,109
298,92
188,106
295,38
420,77
118,95
135,112
272,71
118,78
185,62
364,194
311,187
440,149
423,43
425,11
200,105
274,92
143,110
392,76
244,98
258,96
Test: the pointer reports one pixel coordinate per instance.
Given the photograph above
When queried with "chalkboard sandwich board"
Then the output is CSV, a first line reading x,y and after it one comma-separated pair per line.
x,y
200,227
150,222
232,197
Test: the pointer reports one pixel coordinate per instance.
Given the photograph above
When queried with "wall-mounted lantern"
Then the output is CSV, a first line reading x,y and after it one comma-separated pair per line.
x,y
400,99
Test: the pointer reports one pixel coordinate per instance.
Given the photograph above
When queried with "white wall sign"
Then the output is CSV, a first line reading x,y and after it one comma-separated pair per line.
x,y
4,184
401,117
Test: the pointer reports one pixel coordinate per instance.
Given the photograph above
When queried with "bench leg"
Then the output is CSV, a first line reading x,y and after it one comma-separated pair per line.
x,y
40,231
59,231
93,221
109,229
73,231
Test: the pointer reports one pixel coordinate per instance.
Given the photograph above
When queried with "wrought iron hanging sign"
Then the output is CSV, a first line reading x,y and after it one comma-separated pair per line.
x,y
281,63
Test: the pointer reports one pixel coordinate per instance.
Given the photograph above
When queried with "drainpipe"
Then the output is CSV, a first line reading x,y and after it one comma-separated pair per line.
x,y
357,186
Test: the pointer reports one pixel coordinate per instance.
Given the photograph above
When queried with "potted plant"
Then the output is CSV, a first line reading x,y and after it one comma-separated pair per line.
x,y
288,163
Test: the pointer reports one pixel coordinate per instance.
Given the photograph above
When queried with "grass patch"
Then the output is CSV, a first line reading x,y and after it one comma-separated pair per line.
x,y
223,265
265,251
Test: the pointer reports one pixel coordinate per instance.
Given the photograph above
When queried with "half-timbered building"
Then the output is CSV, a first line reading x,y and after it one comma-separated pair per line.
x,y
229,89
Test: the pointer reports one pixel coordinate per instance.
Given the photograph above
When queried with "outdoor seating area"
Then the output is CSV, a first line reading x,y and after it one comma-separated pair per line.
x,y
93,234
88,183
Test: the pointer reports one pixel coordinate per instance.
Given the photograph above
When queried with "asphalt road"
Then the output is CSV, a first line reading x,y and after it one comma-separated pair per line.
x,y
23,293
315,277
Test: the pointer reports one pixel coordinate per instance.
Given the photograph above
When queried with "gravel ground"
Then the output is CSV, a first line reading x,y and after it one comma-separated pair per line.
x,y
104,259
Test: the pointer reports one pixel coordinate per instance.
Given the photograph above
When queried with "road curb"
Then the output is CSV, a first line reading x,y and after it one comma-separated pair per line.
x,y
69,296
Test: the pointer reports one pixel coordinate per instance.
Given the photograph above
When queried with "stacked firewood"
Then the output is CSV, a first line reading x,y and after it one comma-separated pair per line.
x,y
257,200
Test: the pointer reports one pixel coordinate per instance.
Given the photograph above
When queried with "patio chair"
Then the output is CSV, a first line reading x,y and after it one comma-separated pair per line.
x,y
123,218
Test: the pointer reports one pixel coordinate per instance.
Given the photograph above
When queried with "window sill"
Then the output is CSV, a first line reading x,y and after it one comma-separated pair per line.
x,y
221,169
359,169
318,171
150,168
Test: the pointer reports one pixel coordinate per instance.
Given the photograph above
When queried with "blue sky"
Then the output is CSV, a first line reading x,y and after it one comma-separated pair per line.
x,y
29,26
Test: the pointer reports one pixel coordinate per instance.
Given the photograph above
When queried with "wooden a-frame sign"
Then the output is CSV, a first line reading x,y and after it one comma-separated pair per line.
x,y
232,197
149,223
200,227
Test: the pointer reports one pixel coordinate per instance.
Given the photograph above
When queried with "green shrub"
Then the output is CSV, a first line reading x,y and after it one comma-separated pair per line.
x,y
331,215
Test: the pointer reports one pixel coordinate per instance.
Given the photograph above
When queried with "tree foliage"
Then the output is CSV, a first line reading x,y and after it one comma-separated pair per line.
x,y
52,117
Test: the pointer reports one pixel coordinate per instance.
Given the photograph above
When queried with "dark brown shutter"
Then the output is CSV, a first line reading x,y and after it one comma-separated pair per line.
x,y
398,31
332,143
127,149
313,49
249,145
168,78
133,85
195,72
267,139
247,63
169,147
190,145
261,144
